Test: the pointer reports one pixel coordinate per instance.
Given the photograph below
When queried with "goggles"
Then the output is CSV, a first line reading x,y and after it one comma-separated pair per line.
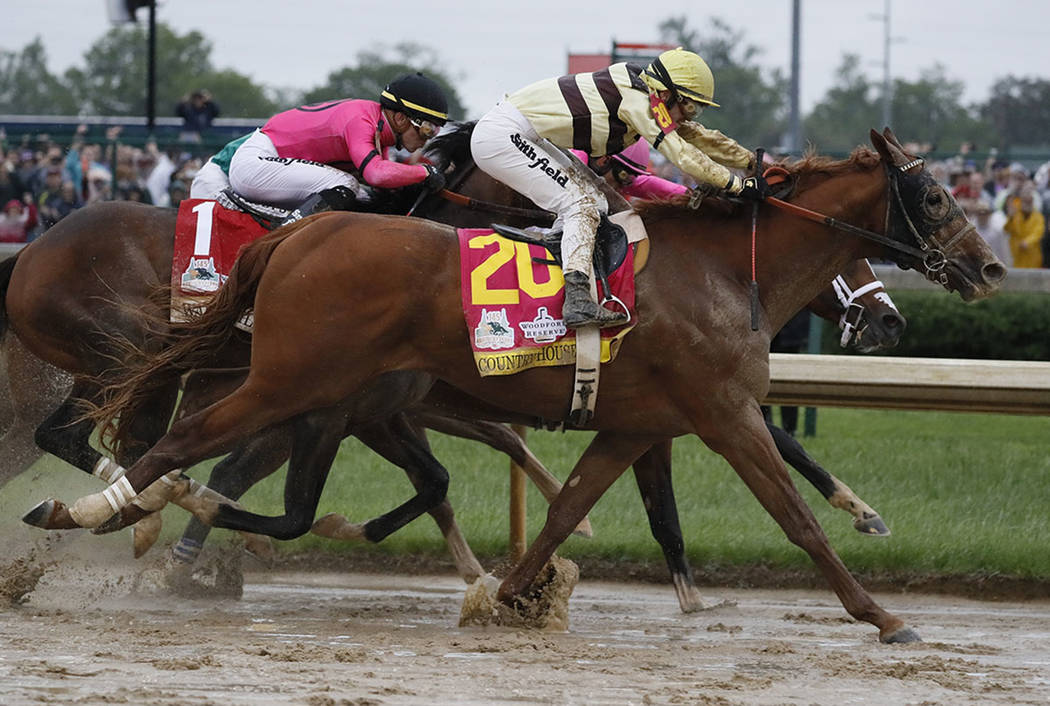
x,y
425,128
691,110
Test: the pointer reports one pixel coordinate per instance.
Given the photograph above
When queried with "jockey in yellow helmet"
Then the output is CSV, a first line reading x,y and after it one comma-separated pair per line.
x,y
601,113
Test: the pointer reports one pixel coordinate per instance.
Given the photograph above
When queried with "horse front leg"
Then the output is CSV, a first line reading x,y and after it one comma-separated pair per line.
x,y
753,455
652,473
606,458
838,494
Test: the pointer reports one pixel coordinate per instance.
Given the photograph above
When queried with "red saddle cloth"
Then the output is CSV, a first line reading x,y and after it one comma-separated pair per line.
x,y
513,305
207,240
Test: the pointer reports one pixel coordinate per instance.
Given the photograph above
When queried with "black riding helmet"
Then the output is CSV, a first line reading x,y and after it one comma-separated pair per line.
x,y
418,97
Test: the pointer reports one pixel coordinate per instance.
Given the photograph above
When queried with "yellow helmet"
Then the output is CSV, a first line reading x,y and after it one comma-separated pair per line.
x,y
683,73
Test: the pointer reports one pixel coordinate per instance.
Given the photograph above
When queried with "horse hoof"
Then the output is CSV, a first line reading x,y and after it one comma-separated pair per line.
x,y
260,546
901,635
584,529
51,514
114,523
145,533
872,526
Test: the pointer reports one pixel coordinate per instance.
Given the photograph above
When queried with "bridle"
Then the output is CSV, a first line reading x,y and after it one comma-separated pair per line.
x,y
853,312
927,250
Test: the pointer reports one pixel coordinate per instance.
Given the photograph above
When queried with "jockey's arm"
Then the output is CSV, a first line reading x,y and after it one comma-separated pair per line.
x,y
717,146
369,156
650,186
697,164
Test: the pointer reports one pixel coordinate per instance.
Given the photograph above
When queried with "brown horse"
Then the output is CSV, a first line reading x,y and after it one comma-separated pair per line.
x,y
691,366
130,246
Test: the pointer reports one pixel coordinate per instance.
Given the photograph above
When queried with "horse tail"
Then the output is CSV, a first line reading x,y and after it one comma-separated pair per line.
x,y
6,268
184,347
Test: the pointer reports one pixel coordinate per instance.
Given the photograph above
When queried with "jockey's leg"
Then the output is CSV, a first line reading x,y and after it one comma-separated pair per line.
x,y
506,146
258,173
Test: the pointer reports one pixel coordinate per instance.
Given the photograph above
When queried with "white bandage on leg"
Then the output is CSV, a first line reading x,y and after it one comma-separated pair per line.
x,y
108,470
159,492
92,510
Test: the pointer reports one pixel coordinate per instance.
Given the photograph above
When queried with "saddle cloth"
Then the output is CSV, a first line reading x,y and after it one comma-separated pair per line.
x,y
207,240
513,304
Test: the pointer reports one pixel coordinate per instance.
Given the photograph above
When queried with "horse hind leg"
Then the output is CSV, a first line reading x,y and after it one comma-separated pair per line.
x,y
865,519
386,439
231,478
503,439
652,473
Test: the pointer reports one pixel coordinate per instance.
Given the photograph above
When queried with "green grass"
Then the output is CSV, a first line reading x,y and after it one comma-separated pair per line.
x,y
962,493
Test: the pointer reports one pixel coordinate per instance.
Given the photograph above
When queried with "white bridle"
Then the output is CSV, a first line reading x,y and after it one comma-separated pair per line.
x,y
850,319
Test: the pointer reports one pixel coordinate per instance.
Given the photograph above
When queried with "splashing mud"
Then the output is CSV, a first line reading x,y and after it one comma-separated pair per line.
x,y
545,606
19,577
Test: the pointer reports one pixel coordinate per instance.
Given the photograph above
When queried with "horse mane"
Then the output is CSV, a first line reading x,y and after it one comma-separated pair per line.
x,y
806,172
451,146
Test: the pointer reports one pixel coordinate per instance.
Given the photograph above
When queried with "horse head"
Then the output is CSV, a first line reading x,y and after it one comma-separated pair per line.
x,y
929,231
864,310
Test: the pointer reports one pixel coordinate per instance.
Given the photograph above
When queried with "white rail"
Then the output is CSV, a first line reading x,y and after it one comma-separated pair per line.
x,y
953,384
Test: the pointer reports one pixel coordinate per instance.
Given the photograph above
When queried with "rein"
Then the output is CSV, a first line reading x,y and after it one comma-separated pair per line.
x,y
929,251
478,205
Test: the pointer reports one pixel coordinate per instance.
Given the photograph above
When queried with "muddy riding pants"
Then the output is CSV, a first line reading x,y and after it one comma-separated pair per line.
x,y
506,147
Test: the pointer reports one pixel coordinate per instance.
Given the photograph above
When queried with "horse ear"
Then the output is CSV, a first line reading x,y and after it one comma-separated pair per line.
x,y
892,139
881,146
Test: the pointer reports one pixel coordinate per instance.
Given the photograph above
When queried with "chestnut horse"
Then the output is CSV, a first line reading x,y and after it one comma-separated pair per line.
x,y
129,246
691,366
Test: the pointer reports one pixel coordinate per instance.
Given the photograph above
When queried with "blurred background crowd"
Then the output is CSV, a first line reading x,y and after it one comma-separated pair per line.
x,y
43,179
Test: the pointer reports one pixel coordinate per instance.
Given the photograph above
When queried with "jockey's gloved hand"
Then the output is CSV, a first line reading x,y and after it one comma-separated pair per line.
x,y
755,188
435,180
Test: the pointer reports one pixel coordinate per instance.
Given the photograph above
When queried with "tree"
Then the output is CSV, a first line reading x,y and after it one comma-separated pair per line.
x,y
1019,109
753,108
28,88
113,80
376,68
843,117
929,111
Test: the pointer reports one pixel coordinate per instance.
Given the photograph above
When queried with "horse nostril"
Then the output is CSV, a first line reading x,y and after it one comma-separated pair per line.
x,y
894,322
993,273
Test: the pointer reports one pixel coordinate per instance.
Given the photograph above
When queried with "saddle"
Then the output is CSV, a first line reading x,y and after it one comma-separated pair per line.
x,y
610,246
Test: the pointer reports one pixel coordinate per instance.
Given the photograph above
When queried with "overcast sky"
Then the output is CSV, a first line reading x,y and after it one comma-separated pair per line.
x,y
494,47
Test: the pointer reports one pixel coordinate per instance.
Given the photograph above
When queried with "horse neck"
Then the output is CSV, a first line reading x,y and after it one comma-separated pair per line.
x,y
478,185
803,257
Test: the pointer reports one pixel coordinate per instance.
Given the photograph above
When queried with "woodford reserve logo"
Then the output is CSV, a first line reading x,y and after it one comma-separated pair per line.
x,y
544,328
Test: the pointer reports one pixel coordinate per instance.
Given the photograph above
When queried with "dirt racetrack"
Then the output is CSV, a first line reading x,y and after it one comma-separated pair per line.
x,y
100,635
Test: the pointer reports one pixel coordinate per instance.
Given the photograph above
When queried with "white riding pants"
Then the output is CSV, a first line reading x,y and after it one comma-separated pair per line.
x,y
257,173
506,147
209,182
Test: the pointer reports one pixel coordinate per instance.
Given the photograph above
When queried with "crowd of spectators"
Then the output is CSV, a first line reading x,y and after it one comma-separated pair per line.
x,y
43,181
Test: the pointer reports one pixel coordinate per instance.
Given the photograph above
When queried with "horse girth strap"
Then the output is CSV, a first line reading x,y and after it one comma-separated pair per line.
x,y
535,214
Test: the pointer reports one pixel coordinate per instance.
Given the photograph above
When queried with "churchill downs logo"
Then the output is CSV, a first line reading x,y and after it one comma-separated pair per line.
x,y
538,162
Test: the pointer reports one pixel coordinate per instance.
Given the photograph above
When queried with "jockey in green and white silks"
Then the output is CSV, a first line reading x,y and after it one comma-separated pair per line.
x,y
601,113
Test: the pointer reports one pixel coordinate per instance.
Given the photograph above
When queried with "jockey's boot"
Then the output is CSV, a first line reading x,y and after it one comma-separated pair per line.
x,y
580,310
337,198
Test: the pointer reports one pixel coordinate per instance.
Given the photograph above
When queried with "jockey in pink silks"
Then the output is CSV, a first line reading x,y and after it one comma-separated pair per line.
x,y
297,159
